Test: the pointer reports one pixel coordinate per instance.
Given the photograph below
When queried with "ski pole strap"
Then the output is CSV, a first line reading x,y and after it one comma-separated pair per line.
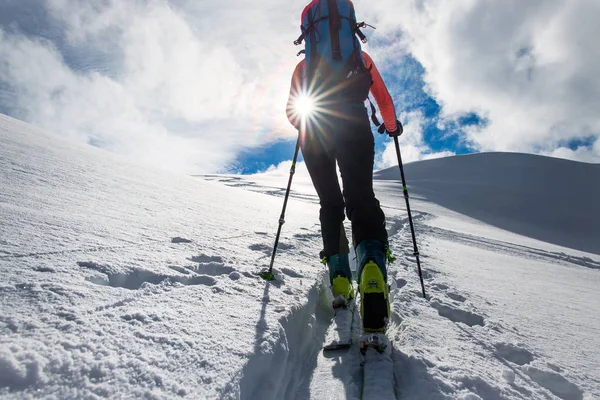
x,y
374,116
379,125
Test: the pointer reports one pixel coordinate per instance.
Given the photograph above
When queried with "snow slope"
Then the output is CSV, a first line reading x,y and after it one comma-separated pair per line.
x,y
550,199
121,282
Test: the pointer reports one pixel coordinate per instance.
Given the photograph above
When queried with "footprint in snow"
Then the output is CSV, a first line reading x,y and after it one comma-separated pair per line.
x,y
204,259
178,239
439,287
137,278
306,236
261,247
268,248
43,269
291,273
210,265
514,354
212,269
457,315
456,297
400,283
555,383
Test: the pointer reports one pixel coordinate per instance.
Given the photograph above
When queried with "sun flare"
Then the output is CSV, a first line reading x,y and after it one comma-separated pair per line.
x,y
304,105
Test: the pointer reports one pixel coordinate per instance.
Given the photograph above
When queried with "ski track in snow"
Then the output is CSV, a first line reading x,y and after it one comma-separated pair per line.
x,y
140,313
519,378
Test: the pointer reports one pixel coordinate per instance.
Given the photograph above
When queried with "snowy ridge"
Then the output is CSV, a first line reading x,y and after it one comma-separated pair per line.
x,y
117,281
550,199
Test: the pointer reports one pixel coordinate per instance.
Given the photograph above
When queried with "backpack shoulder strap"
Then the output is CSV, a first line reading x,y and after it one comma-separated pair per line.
x,y
335,24
313,38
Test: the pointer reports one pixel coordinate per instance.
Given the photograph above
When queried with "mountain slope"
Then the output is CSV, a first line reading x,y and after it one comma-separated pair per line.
x,y
119,281
550,199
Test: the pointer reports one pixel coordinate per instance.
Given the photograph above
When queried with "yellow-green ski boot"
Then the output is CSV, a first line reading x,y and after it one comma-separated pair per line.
x,y
340,278
372,286
342,291
374,304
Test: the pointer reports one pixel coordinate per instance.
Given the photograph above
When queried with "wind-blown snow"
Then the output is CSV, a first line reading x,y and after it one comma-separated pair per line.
x,y
121,282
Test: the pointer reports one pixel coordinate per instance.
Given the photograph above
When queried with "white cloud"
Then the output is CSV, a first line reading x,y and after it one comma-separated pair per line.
x,y
187,84
531,68
185,90
412,144
581,153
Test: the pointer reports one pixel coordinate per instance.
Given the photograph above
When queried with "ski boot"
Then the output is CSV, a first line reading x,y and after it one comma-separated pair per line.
x,y
372,284
340,278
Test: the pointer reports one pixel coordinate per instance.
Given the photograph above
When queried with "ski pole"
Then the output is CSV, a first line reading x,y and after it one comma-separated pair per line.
x,y
410,221
268,275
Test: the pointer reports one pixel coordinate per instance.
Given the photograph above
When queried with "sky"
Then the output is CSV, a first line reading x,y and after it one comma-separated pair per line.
x,y
200,87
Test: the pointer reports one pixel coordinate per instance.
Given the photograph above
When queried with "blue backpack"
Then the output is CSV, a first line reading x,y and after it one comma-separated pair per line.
x,y
335,69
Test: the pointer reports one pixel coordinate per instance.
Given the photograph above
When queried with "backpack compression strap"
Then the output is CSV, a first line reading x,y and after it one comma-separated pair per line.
x,y
357,31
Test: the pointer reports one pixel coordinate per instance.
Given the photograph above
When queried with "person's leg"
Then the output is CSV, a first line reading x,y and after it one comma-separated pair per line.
x,y
355,156
321,166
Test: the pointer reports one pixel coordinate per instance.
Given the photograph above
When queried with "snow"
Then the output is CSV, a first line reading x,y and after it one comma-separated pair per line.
x,y
122,282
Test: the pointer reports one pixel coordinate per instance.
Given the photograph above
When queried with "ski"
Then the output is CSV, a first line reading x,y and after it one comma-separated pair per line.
x,y
378,367
339,334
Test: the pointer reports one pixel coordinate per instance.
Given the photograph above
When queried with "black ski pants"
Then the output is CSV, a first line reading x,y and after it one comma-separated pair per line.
x,y
344,135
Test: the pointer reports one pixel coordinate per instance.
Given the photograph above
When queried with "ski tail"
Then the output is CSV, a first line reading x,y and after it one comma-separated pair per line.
x,y
378,367
339,334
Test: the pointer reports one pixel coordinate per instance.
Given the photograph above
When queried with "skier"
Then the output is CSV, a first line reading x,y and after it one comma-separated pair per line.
x,y
339,130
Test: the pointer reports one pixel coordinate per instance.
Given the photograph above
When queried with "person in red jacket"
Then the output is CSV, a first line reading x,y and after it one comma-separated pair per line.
x,y
340,131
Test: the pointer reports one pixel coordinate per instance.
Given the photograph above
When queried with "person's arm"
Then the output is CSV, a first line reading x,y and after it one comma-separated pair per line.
x,y
382,96
295,91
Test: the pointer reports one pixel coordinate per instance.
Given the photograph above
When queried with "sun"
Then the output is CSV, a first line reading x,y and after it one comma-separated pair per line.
x,y
304,105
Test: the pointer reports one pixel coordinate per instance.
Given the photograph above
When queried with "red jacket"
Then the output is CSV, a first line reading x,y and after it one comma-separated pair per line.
x,y
378,90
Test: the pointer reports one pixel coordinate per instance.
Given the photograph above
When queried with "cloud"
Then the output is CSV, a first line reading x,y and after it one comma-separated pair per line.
x,y
581,153
181,85
528,68
188,84
412,144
